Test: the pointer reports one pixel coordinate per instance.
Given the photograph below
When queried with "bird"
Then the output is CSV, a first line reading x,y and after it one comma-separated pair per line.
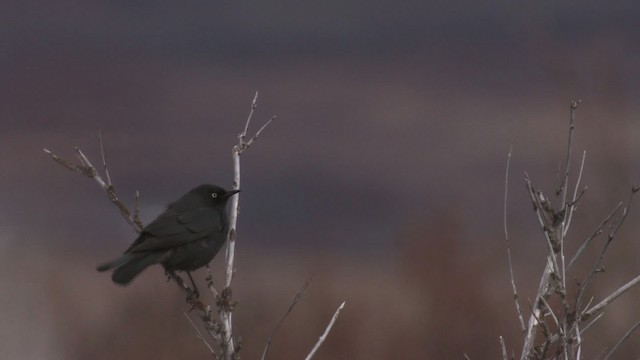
x,y
184,237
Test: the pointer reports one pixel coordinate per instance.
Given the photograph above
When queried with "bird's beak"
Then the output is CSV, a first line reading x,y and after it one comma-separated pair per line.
x,y
230,193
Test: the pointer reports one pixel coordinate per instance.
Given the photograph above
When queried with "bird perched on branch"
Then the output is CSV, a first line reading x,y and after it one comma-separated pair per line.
x,y
185,237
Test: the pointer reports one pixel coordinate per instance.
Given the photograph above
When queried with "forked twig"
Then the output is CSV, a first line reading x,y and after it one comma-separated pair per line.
x,y
598,263
596,232
87,169
576,197
104,157
226,314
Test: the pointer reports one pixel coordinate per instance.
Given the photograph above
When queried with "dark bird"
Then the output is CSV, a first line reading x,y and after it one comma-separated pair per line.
x,y
185,237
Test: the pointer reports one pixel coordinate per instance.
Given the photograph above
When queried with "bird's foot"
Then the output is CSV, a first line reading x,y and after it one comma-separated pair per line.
x,y
195,303
193,294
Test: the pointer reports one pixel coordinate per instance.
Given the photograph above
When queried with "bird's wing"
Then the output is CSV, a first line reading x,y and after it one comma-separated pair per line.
x,y
173,229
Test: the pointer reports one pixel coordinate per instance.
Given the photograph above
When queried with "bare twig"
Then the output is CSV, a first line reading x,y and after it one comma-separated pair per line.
x,y
590,323
576,196
614,295
541,206
296,299
87,169
136,210
254,105
622,340
104,157
506,236
199,335
504,349
596,232
326,332
598,263
255,137
550,311
563,186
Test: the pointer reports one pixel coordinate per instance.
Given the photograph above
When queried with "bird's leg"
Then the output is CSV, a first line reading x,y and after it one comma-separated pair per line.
x,y
191,294
196,293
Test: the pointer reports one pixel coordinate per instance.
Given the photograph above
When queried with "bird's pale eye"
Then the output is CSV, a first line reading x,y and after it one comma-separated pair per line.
x,y
214,195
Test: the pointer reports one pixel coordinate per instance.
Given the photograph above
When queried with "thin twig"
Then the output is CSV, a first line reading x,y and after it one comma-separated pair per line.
x,y
136,210
623,339
255,137
596,232
104,157
504,349
254,105
576,196
506,236
553,315
590,324
296,299
563,187
199,335
598,263
326,332
614,295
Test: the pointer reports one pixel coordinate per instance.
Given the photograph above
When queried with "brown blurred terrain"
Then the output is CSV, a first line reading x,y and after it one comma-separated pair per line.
x,y
383,175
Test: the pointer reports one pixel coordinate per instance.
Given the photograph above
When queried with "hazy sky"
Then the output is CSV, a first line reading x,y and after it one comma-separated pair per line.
x,y
388,113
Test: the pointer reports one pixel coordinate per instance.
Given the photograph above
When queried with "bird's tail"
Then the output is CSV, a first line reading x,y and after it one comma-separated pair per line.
x,y
129,265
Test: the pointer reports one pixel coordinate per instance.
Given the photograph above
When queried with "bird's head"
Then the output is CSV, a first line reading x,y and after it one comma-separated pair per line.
x,y
212,195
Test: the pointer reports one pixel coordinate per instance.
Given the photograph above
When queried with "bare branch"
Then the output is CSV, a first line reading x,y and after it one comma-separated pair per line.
x,y
87,169
326,332
297,299
530,334
541,205
226,313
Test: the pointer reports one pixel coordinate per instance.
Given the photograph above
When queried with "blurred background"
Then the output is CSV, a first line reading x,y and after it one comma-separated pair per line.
x,y
383,175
